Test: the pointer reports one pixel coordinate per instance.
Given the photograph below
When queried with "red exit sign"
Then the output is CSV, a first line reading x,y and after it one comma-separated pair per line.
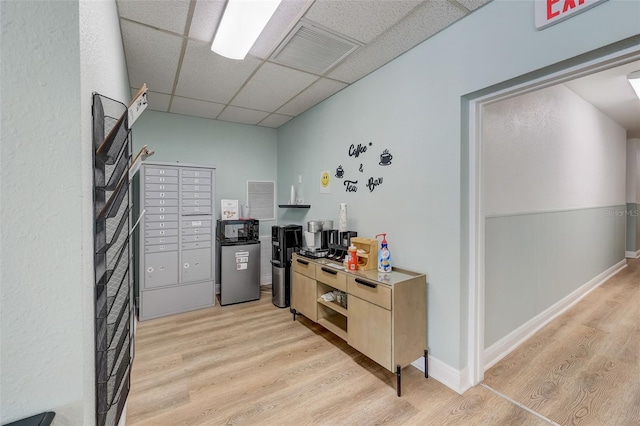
x,y
549,12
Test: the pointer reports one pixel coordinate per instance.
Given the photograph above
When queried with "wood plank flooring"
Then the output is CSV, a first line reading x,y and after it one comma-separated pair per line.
x,y
583,368
251,364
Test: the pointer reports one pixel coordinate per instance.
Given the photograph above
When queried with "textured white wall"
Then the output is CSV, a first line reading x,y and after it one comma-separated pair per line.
x,y
54,54
551,150
42,317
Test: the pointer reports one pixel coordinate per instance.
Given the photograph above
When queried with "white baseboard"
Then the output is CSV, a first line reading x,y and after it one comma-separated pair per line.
x,y
507,344
456,380
632,254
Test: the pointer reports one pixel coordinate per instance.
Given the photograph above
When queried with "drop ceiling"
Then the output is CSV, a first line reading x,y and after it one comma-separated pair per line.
x,y
167,45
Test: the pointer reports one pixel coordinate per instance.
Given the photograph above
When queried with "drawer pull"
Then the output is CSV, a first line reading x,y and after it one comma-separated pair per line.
x,y
368,284
304,262
329,271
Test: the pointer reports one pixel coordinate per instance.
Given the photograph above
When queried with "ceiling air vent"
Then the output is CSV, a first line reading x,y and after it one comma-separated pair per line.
x,y
313,49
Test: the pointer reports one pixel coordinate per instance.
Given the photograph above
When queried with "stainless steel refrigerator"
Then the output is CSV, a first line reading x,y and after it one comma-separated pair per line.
x,y
238,261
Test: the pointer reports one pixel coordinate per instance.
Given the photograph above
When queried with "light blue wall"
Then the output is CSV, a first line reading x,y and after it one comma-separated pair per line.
x,y
413,107
239,152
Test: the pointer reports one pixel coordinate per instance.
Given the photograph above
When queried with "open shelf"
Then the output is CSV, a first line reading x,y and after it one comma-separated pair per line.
x,y
337,324
334,306
294,206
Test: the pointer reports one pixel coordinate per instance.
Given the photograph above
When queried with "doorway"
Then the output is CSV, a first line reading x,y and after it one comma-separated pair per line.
x,y
607,58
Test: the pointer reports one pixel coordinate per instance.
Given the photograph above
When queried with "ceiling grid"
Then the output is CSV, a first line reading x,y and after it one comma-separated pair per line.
x,y
167,46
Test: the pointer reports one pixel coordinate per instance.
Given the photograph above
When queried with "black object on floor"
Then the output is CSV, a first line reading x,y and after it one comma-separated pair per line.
x,y
42,419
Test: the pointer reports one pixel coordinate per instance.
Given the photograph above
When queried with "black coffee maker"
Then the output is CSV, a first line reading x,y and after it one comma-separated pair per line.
x,y
338,244
284,241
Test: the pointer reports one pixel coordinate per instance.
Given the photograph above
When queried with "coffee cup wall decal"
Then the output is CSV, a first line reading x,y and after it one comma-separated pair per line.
x,y
385,158
339,172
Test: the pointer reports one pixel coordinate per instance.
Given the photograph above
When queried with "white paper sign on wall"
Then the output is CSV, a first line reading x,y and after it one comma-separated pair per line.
x,y
549,12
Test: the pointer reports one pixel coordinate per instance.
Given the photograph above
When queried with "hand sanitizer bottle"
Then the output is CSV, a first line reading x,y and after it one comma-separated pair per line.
x,y
384,255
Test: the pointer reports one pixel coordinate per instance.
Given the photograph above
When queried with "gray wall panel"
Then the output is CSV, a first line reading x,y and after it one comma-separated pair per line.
x,y
633,233
535,260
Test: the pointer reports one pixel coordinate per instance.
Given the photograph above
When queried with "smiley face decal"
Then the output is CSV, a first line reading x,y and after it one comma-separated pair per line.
x,y
324,179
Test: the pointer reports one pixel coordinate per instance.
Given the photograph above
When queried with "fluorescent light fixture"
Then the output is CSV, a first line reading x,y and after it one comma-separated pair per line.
x,y
241,24
634,79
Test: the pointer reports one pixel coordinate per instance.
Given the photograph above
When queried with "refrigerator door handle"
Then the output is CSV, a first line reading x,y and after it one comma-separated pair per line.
x,y
276,263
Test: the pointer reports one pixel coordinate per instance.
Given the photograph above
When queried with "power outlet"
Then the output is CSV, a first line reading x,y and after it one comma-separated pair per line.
x,y
299,178
299,200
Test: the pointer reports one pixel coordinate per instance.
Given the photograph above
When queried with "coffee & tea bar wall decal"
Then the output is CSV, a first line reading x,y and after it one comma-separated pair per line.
x,y
385,158
349,173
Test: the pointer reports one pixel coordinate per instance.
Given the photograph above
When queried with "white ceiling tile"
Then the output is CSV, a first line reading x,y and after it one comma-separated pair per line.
x,y
157,101
271,86
316,93
280,24
206,17
195,107
152,56
424,22
362,20
473,4
242,115
170,15
274,120
208,76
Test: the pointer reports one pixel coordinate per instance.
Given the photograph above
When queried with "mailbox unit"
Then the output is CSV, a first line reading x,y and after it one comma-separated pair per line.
x,y
176,250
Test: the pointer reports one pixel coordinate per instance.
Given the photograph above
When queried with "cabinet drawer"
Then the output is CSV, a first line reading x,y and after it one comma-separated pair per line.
x,y
160,202
196,224
196,210
160,217
161,248
161,172
196,174
161,233
332,277
197,188
370,291
161,179
196,231
154,194
196,181
304,266
194,238
160,240
196,195
191,246
160,225
160,187
161,210
196,202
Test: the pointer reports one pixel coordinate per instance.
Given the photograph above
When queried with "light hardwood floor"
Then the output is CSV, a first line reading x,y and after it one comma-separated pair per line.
x,y
251,364
583,368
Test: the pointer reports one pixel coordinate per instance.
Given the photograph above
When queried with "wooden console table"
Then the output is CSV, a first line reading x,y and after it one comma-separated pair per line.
x,y
386,314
